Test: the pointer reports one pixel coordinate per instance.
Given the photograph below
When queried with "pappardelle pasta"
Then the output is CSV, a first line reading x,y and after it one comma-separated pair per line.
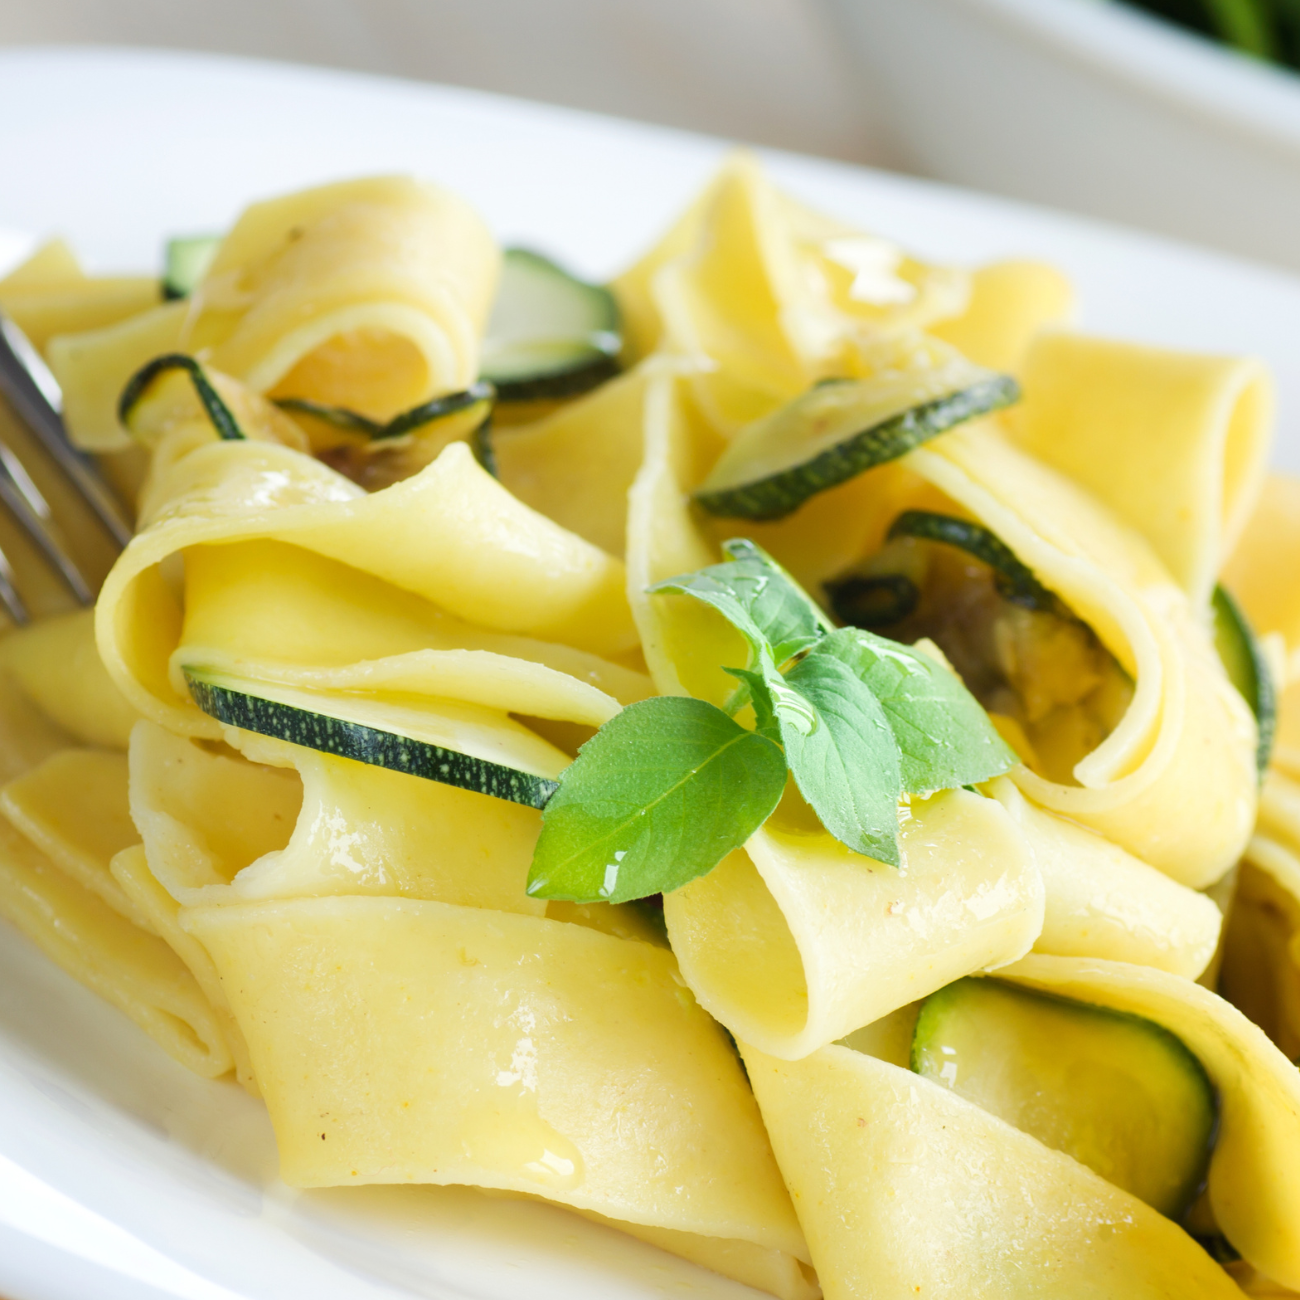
x,y
788,754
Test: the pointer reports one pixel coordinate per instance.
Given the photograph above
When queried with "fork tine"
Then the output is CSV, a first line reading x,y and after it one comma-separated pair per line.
x,y
11,496
32,392
9,597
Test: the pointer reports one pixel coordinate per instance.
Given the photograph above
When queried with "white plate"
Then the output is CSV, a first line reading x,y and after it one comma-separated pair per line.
x,y
123,1177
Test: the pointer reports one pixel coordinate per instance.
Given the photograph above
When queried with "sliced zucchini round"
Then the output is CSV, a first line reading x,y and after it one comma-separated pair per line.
x,y
1118,1093
842,427
186,262
551,335
456,744
1247,669
223,419
1015,581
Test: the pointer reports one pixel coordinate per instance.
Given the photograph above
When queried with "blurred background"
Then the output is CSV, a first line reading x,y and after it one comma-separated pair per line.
x,y
1181,116
772,72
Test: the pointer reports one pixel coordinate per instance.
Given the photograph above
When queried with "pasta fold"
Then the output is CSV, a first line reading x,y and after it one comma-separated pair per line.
x,y
1174,783
1254,1182
1174,443
134,970
419,1041
368,294
450,536
905,1188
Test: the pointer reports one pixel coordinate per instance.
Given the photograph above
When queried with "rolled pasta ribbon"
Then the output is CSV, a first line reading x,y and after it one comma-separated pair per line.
x,y
904,1187
797,941
1103,902
426,1042
341,828
132,969
1174,782
368,294
769,296
449,540
1254,1180
1175,443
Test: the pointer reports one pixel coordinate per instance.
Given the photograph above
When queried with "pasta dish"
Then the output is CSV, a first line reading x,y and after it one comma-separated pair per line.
x,y
788,754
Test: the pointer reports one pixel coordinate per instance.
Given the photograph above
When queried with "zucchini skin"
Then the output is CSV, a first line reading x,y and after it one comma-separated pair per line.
x,y
1015,581
223,419
571,382
782,493
369,745
1257,685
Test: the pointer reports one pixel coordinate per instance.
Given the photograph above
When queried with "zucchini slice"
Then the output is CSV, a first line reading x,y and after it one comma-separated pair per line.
x,y
842,427
1247,669
457,744
1118,1093
876,600
551,335
376,455
186,262
223,419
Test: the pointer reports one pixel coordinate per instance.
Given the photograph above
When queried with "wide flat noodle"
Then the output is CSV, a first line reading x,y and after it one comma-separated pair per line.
x,y
450,535
771,296
904,1188
368,294
58,668
435,1043
1010,304
1174,783
343,828
1175,443
797,941
93,367
130,869
134,970
74,808
1261,571
50,294
576,465
1254,1183
1103,902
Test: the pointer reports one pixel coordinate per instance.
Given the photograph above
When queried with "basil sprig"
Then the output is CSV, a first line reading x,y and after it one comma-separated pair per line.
x,y
670,786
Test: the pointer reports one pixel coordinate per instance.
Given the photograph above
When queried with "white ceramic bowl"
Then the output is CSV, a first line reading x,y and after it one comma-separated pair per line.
x,y
1092,106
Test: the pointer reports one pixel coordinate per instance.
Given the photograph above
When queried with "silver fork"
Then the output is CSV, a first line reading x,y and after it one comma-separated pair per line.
x,y
33,396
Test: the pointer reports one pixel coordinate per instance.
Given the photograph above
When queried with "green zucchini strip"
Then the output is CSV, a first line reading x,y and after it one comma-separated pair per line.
x,y
437,408
355,740
1014,581
1247,669
139,384
780,493
1117,1092
551,334
185,263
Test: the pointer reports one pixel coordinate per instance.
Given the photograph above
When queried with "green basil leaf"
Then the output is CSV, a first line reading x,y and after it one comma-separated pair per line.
x,y
658,796
944,737
841,751
758,598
